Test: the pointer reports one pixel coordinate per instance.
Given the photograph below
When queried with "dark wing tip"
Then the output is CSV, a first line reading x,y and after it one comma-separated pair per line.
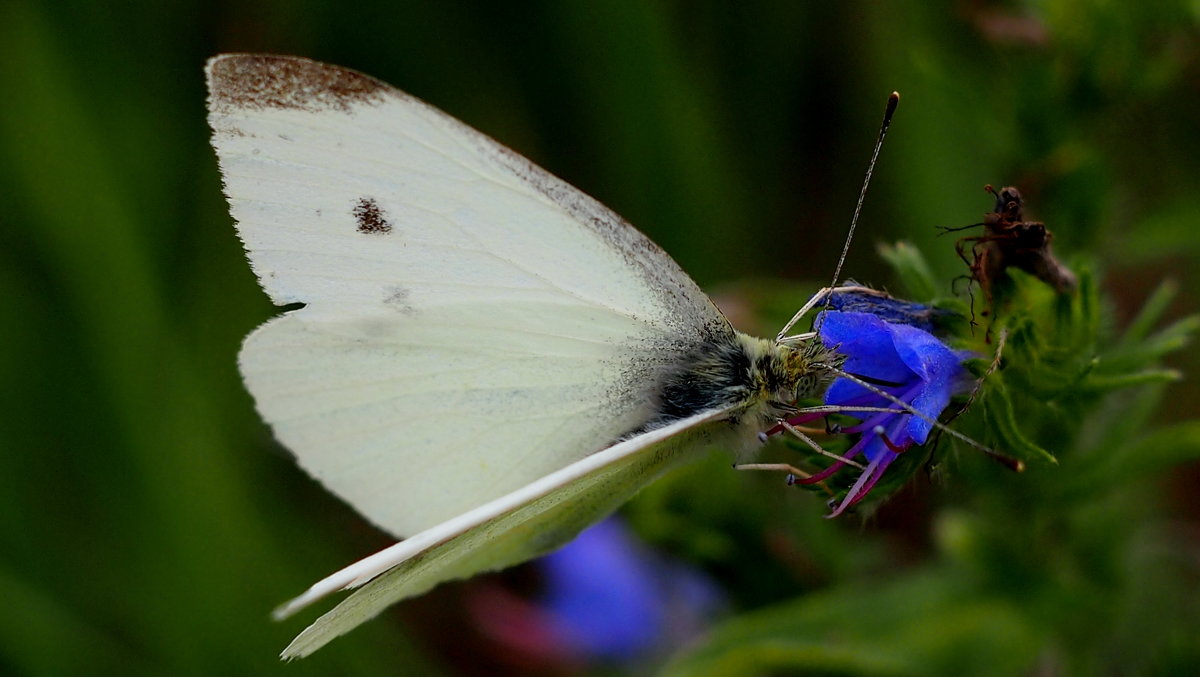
x,y
260,81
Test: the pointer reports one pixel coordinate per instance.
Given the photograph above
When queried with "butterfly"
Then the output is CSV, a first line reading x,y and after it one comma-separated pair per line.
x,y
484,360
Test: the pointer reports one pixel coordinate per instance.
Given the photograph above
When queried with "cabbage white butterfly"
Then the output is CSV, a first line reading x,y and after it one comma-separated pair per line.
x,y
570,359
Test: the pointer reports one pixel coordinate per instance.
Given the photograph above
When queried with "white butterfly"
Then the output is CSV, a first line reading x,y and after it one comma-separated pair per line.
x,y
487,360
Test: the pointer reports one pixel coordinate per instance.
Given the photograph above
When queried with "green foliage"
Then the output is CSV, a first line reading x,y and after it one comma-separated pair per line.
x,y
1021,563
867,630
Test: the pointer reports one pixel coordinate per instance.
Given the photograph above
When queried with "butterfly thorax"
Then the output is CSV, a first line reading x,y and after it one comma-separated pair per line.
x,y
757,379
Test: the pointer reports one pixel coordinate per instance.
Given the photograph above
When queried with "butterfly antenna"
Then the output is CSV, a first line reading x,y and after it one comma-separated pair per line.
x,y
892,101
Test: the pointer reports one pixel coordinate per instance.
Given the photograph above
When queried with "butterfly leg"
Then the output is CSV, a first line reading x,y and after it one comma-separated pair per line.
x,y
773,467
816,447
792,473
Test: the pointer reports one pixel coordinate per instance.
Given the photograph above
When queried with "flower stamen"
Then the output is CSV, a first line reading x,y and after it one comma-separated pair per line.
x,y
896,449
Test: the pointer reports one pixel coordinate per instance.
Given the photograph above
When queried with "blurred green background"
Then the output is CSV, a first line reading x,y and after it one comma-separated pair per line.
x,y
148,523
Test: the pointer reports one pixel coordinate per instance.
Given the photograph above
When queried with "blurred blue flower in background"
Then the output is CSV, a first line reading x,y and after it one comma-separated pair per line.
x,y
615,599
902,360
606,597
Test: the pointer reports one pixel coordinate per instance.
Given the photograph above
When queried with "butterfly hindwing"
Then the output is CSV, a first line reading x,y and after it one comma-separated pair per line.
x,y
512,529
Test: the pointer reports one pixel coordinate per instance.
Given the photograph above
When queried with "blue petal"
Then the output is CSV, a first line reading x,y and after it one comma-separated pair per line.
x,y
941,371
886,308
893,352
924,354
930,401
868,344
848,393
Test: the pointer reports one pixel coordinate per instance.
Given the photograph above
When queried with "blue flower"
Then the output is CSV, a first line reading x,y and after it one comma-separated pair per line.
x,y
614,599
605,597
904,361
864,300
602,593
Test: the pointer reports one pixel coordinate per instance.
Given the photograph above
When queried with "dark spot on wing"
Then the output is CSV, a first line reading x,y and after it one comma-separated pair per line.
x,y
259,81
370,217
396,298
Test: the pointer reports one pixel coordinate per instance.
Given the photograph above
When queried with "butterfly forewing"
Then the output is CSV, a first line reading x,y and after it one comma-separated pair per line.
x,y
470,322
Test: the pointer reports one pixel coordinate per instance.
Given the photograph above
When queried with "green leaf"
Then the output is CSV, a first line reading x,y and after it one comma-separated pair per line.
x,y
998,408
1154,453
870,629
1149,351
1152,310
1100,383
912,269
